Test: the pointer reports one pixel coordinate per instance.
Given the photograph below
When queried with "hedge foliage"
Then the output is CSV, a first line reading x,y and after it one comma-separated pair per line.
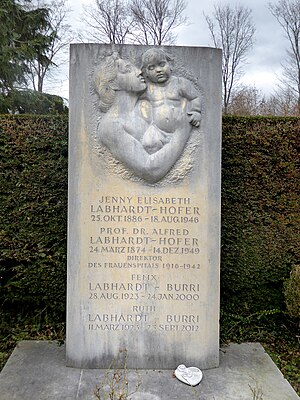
x,y
33,213
259,212
292,292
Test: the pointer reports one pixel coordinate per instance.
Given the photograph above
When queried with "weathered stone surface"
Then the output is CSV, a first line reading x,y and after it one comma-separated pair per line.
x,y
36,370
144,206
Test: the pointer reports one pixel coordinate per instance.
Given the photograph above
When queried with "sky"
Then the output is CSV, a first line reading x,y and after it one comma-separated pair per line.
x,y
263,65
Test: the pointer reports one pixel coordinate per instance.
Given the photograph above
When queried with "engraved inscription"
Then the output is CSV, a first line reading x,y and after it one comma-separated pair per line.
x,y
143,245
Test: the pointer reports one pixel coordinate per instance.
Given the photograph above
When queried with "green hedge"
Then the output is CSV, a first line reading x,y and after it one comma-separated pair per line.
x,y
33,212
259,212
260,179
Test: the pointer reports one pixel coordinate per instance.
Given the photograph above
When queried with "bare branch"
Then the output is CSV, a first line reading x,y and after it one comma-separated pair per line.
x,y
287,13
108,21
61,36
156,19
134,21
233,32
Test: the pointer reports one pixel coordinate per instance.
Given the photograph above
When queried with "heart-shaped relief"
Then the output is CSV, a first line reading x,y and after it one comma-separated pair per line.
x,y
189,375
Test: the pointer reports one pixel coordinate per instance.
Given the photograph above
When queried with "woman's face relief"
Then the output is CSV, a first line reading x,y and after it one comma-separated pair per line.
x,y
129,77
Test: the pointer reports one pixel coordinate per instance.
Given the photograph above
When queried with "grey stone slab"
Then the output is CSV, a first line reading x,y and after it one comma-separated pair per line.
x,y
144,206
36,371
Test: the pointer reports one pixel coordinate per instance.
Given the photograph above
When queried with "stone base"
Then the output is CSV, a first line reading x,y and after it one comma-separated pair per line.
x,y
36,371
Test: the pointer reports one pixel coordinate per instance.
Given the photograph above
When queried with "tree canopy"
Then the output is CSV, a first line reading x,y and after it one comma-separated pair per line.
x,y
20,41
24,39
59,33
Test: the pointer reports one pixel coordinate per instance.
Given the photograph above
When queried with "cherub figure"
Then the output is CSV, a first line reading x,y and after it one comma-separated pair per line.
x,y
166,100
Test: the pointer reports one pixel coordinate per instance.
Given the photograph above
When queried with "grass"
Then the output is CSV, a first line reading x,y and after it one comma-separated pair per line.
x,y
14,329
286,356
114,385
276,331
256,393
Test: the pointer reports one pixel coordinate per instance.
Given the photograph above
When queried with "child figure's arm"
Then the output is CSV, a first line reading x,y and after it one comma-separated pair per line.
x,y
194,118
194,113
194,108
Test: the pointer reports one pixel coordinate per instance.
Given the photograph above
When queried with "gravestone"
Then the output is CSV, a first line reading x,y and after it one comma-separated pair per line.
x,y
144,206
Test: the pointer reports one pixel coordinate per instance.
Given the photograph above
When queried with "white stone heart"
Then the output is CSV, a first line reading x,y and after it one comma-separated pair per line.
x,y
189,375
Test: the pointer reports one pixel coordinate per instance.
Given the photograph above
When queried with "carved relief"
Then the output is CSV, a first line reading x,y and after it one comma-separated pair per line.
x,y
149,113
